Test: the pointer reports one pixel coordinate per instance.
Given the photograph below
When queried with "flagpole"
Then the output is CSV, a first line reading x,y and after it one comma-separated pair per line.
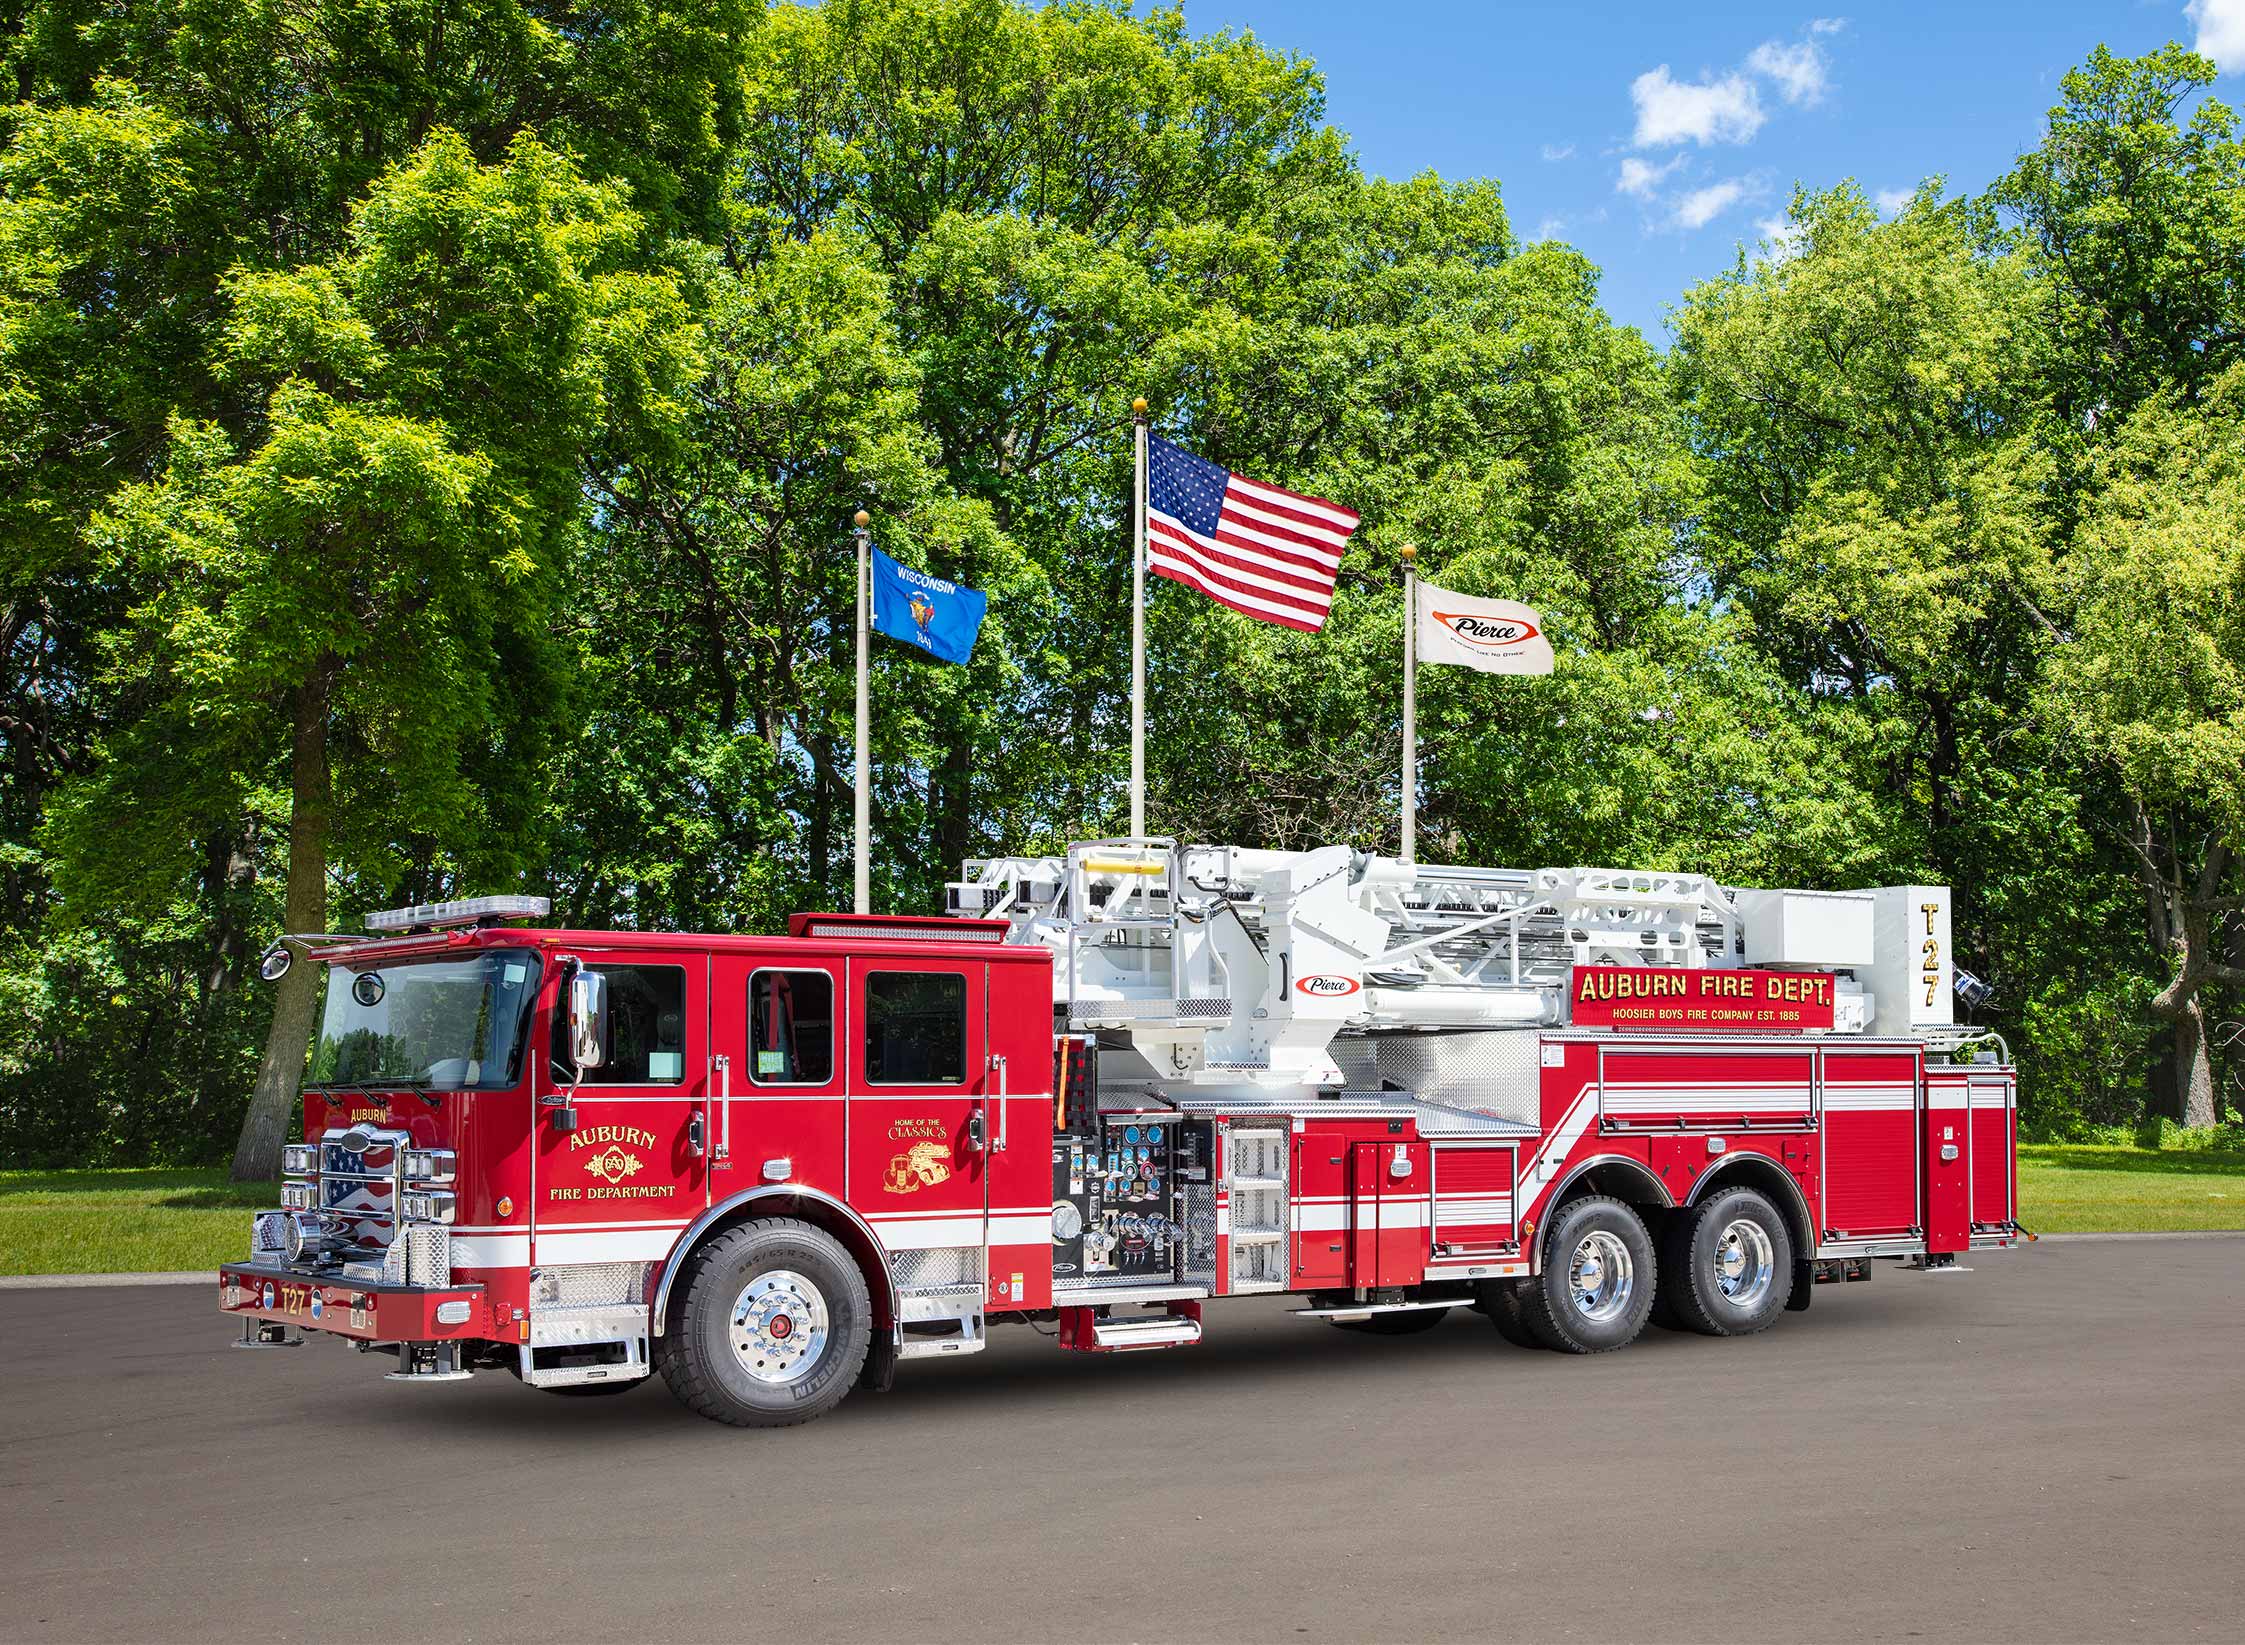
x,y
1138,626
1407,553
864,783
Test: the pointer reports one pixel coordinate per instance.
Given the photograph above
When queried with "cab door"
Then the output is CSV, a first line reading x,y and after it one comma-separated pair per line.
x,y
777,1026
619,1186
920,1125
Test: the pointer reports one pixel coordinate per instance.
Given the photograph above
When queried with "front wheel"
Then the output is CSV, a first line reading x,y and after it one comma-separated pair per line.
x,y
1597,1282
773,1329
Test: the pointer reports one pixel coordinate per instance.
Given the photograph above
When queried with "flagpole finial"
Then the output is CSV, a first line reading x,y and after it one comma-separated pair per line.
x,y
1138,408
861,519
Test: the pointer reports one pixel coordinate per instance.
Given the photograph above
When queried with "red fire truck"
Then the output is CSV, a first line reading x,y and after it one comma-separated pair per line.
x,y
1111,1086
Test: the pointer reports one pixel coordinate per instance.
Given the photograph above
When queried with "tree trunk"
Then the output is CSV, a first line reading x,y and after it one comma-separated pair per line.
x,y
2194,1067
280,1074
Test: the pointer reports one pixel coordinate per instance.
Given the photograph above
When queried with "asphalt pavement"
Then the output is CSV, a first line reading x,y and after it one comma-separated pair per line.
x,y
2047,1448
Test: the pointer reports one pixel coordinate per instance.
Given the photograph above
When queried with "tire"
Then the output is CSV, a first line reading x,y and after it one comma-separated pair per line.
x,y
1397,1325
773,1327
1727,1265
1500,1299
1598,1279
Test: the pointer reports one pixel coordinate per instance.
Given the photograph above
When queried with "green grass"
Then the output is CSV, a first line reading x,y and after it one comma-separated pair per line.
x,y
108,1222
124,1222
2071,1189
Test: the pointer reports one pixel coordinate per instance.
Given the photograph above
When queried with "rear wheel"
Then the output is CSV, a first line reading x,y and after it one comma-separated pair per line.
x,y
1597,1282
1729,1265
773,1328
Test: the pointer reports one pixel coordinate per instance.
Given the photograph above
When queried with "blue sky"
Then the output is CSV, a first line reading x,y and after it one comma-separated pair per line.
x,y
1657,137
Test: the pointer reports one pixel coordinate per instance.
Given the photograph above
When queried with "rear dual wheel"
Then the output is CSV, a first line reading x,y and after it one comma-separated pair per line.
x,y
1727,1265
1597,1282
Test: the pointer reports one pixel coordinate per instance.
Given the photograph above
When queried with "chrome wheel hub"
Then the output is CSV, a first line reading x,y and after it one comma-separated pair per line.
x,y
1745,1264
1601,1277
779,1326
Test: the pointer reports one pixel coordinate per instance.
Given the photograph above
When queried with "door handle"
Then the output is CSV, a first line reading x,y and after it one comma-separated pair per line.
x,y
975,1132
998,1065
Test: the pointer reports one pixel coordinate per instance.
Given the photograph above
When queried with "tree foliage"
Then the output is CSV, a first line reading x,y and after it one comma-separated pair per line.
x,y
428,434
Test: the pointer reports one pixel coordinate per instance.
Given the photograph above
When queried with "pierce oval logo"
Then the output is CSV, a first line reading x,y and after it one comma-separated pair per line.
x,y
1489,633
1327,987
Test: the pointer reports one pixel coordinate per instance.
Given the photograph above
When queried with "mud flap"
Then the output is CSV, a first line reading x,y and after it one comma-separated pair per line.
x,y
1804,1282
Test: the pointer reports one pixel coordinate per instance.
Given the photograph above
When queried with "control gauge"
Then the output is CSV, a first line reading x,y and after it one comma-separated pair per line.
x,y
1067,1222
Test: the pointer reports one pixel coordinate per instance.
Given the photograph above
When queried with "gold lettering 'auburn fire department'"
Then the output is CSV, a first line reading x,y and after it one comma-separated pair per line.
x,y
1139,1073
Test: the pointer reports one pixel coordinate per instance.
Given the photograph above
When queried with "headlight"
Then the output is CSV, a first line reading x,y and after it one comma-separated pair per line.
x,y
428,1205
429,1164
300,1159
300,1196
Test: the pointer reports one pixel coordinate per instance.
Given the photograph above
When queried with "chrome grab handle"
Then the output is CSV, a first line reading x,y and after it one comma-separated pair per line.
x,y
724,1067
999,1064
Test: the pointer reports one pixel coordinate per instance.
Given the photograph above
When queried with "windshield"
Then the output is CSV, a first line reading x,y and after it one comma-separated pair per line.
x,y
450,1023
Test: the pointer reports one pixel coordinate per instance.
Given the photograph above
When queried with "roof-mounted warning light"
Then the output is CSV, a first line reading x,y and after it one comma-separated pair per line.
x,y
897,927
439,916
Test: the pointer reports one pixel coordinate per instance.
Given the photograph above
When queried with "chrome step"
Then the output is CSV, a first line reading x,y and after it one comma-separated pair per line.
x,y
1120,1336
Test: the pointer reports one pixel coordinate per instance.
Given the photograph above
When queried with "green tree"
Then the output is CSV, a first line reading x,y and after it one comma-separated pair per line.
x,y
2152,680
2133,225
353,575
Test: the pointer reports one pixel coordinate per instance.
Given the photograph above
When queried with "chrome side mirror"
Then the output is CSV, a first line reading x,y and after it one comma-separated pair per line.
x,y
588,1019
275,963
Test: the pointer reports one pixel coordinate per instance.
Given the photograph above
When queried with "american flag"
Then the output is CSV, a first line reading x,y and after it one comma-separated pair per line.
x,y
1257,548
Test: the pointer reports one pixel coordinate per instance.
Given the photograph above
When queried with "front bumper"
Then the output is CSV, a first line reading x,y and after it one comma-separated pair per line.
x,y
364,1310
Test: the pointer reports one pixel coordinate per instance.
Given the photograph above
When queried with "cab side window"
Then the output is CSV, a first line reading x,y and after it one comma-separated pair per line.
x,y
915,1028
646,1026
791,1027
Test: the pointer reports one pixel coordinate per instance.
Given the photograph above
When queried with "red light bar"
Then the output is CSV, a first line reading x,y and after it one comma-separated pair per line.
x,y
897,927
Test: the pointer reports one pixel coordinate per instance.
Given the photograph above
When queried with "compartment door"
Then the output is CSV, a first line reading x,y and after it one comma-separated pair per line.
x,y
1870,1123
1473,1204
1948,1164
1993,1140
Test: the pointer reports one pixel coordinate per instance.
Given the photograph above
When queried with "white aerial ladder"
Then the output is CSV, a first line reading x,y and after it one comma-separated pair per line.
x,y
1223,966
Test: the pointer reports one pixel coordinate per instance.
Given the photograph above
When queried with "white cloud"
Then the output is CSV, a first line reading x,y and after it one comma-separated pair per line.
x,y
2221,32
1559,151
1797,69
1641,177
1826,25
1783,236
1891,200
1669,110
1698,207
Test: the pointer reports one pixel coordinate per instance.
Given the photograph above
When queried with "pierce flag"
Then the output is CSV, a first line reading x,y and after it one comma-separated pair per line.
x,y
1494,636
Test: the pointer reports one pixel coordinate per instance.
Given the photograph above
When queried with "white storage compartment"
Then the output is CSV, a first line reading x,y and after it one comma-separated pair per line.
x,y
1830,929
1255,1163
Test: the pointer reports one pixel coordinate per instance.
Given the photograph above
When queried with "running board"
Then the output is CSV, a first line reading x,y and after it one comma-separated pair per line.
x,y
1084,1331
1365,1310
